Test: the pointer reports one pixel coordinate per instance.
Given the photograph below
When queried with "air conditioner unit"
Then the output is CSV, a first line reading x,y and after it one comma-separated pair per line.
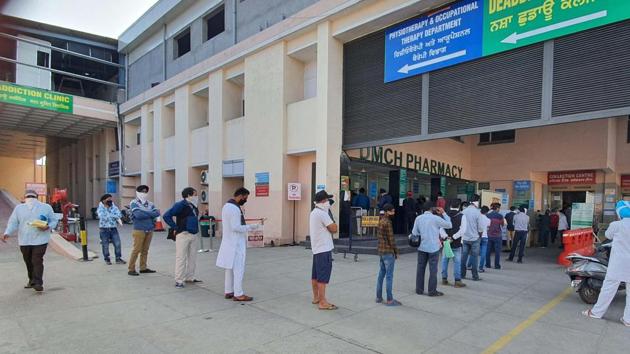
x,y
203,196
204,177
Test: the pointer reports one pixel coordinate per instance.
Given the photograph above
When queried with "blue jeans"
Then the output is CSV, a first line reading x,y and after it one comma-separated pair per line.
x,y
519,242
108,235
494,244
431,259
483,250
470,248
386,272
457,264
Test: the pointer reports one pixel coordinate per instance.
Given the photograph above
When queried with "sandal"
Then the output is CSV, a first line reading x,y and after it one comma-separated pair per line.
x,y
627,324
330,307
588,313
315,302
393,303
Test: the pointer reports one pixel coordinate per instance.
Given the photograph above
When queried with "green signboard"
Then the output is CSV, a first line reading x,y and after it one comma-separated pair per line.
x,y
35,98
510,24
402,192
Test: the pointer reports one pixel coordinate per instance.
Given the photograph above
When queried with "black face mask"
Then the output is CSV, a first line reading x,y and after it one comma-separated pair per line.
x,y
109,203
242,202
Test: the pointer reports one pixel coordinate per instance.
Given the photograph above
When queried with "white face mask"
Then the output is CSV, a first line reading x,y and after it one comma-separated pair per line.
x,y
30,202
193,200
325,206
141,196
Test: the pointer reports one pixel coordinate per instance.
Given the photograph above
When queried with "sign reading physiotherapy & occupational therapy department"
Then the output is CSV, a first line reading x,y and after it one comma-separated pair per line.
x,y
35,98
470,29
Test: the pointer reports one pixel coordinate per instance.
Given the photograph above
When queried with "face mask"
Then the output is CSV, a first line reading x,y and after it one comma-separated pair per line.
x,y
325,206
109,203
476,204
242,202
193,200
30,202
141,196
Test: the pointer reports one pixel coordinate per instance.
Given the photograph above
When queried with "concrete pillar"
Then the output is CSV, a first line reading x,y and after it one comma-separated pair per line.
x,y
182,138
216,116
329,111
144,144
158,156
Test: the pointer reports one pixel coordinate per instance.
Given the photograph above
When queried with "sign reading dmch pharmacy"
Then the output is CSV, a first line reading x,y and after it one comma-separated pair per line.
x,y
470,29
392,157
35,98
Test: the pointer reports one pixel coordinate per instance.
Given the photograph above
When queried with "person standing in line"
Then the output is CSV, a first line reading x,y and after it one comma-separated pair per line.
x,y
553,225
521,225
321,229
484,223
409,208
233,250
618,269
144,214
385,199
458,220
388,253
544,224
108,218
186,228
440,202
361,201
32,221
509,219
563,225
495,236
471,238
428,226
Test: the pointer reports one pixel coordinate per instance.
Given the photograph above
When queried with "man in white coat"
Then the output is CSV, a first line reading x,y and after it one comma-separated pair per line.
x,y
618,265
234,245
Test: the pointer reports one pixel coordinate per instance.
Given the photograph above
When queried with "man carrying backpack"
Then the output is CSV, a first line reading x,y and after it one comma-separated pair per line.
x,y
186,228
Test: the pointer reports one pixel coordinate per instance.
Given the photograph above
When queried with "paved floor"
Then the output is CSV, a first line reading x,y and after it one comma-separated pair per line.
x,y
98,308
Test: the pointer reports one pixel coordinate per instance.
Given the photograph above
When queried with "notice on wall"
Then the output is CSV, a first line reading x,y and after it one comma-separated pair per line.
x,y
582,215
571,177
294,191
255,238
523,194
469,29
262,184
625,181
40,188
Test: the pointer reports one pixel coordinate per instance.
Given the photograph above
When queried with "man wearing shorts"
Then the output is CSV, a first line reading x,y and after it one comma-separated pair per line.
x,y
322,227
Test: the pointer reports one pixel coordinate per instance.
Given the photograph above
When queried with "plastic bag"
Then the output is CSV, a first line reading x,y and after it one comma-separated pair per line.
x,y
448,251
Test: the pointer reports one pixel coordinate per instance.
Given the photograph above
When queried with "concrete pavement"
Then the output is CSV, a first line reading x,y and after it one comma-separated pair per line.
x,y
99,308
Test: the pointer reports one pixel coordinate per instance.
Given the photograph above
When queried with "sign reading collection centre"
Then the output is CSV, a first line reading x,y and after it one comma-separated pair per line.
x,y
470,29
409,161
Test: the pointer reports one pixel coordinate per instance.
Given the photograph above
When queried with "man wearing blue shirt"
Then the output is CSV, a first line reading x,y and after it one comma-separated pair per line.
x,y
186,226
108,216
428,226
32,237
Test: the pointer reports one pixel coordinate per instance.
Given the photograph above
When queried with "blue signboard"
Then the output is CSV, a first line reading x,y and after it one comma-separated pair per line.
x,y
111,186
373,189
262,178
436,40
522,185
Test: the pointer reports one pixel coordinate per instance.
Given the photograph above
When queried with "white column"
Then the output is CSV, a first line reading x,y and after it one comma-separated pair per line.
x,y
144,144
158,168
182,138
329,110
216,97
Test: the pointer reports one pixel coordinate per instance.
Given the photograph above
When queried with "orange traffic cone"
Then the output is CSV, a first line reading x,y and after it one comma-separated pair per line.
x,y
158,225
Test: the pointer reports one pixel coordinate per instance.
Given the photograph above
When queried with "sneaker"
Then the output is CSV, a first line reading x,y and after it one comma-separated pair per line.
x,y
482,270
38,288
497,267
469,268
509,260
194,281
419,292
459,284
179,285
393,303
133,272
379,301
147,271
120,261
108,262
229,296
28,285
519,261
627,324
445,281
437,293
477,279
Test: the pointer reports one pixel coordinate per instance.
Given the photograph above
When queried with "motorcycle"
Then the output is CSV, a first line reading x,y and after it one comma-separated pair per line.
x,y
587,273
126,215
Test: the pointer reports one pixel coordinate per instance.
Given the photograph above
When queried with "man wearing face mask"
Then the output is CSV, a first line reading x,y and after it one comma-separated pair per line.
x,y
186,227
321,227
233,248
32,221
144,214
108,216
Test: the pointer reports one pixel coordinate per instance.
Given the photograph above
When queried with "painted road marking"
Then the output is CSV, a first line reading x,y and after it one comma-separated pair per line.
x,y
506,339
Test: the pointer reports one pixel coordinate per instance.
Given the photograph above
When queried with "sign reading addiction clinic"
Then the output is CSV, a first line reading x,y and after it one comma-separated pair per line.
x,y
470,29
35,98
401,159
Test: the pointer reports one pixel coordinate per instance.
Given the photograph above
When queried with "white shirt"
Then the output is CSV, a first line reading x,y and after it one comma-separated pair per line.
x,y
321,238
484,223
619,233
563,223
